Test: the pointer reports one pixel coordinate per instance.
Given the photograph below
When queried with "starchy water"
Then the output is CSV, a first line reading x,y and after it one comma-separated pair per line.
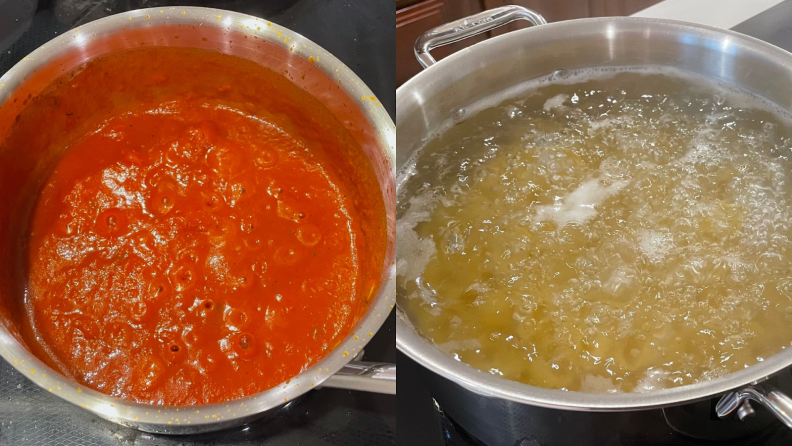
x,y
624,232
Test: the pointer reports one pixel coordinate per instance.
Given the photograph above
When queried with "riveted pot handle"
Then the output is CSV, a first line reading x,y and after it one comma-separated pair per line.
x,y
375,377
470,26
772,399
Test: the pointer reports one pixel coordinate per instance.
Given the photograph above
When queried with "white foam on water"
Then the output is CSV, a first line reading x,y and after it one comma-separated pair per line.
x,y
613,168
620,281
581,204
413,252
701,153
598,384
602,124
655,245
652,380
555,102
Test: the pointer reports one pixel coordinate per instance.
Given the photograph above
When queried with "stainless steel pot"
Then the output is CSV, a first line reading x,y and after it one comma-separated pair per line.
x,y
445,89
274,47
501,422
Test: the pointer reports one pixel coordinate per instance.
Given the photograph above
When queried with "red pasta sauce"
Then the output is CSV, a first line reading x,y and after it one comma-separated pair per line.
x,y
212,233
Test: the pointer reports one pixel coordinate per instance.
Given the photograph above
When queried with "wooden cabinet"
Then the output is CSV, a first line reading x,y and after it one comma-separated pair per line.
x,y
605,8
414,17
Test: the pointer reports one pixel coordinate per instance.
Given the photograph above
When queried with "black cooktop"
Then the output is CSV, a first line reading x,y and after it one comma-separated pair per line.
x,y
361,34
422,421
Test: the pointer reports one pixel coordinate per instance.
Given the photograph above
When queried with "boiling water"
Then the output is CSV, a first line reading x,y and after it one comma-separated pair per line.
x,y
619,234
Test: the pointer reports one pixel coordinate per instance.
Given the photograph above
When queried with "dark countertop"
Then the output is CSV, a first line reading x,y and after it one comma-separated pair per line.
x,y
365,43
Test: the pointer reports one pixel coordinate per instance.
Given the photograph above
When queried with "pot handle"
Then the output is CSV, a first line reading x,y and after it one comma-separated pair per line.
x,y
771,398
375,377
470,26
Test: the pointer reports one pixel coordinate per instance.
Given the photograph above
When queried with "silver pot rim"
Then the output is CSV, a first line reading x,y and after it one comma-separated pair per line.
x,y
421,350
211,417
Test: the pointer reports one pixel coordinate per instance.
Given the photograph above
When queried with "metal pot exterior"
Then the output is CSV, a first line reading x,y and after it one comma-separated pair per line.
x,y
500,422
427,101
271,46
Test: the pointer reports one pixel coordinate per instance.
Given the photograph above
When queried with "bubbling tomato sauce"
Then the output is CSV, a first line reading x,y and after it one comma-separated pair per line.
x,y
190,251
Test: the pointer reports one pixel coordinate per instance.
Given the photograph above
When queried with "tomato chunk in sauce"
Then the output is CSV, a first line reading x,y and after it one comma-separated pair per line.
x,y
192,253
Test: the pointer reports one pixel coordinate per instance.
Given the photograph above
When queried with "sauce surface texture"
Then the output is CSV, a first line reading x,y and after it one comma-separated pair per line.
x,y
191,249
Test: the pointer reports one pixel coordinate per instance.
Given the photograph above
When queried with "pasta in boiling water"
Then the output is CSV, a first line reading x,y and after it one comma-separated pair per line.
x,y
623,232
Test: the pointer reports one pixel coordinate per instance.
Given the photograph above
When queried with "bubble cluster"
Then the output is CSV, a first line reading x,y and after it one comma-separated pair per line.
x,y
624,233
208,241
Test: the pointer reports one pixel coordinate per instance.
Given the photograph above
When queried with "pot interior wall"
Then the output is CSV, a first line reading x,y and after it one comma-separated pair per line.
x,y
427,101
